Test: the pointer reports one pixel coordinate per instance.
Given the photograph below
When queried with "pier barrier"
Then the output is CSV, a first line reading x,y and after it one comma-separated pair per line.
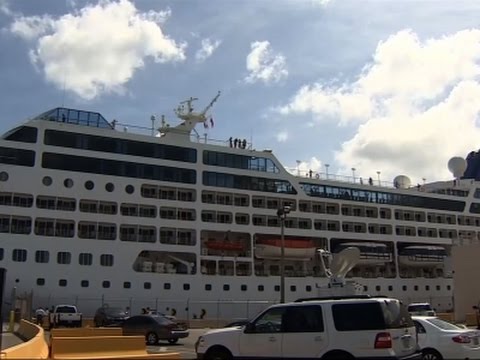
x,y
34,347
104,347
86,331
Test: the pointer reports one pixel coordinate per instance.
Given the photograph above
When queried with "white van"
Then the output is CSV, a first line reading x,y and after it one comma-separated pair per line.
x,y
319,328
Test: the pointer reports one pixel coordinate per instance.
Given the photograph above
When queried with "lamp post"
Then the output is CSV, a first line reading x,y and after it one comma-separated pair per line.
x,y
353,173
326,169
282,214
378,176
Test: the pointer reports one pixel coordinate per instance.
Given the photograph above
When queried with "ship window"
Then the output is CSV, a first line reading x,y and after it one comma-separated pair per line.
x,y
308,288
42,256
427,287
147,285
208,287
415,288
129,189
378,288
3,176
1,253
64,257
68,183
89,185
106,260
186,286
17,157
26,134
261,288
40,281
62,282
19,255
293,288
404,287
85,259
167,286
84,283
109,187
106,284
438,287
448,286
127,285
365,288
47,181
226,287
276,288
243,287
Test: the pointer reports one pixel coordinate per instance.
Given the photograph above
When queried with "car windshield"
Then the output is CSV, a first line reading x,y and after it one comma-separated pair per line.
x,y
162,320
114,311
444,325
66,309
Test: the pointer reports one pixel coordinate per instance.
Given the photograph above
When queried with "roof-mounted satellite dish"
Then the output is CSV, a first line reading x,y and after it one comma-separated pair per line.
x,y
457,166
344,261
402,182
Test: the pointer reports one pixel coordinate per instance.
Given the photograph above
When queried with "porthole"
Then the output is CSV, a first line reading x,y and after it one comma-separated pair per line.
x,y
147,285
84,283
129,189
62,282
390,288
243,287
261,288
127,285
89,185
208,287
277,288
109,187
40,281
47,181
106,284
3,176
186,286
293,288
308,288
167,286
68,183
226,287
378,288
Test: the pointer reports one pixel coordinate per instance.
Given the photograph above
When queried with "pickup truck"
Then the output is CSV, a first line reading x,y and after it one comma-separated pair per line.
x,y
65,315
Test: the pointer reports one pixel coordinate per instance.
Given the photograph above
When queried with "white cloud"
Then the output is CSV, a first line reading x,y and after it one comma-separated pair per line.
x,y
282,136
303,168
265,65
415,106
5,8
98,48
207,49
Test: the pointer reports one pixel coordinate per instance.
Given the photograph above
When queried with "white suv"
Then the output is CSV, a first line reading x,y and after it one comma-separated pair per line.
x,y
319,328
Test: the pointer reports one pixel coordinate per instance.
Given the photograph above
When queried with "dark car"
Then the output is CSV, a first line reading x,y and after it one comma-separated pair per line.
x,y
155,328
110,316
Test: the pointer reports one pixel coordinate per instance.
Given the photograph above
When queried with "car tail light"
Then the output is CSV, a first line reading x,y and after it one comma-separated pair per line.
x,y
461,339
383,341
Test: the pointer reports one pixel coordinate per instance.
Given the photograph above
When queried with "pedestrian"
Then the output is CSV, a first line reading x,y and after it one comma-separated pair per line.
x,y
39,315
370,181
235,142
310,172
244,143
230,141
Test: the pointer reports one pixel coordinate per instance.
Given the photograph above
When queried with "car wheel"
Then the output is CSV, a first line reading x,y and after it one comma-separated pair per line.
x,y
219,354
431,354
151,338
338,355
172,341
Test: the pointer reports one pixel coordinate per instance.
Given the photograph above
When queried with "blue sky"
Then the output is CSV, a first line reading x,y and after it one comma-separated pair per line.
x,y
376,85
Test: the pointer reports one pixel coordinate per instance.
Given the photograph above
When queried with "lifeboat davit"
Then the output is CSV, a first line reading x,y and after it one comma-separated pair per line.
x,y
294,249
225,245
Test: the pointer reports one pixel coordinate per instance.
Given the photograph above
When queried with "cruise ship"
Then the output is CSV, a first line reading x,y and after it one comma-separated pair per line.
x,y
92,212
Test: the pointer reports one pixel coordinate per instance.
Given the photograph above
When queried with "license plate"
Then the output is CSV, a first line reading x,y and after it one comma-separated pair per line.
x,y
406,342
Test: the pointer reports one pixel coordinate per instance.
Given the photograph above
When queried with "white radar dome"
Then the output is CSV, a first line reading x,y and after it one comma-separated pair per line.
x,y
402,182
457,166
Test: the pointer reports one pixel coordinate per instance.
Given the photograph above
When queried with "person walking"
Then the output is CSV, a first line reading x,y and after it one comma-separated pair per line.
x,y
39,315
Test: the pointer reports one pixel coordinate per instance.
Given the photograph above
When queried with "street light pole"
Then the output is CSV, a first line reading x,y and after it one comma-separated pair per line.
x,y
282,214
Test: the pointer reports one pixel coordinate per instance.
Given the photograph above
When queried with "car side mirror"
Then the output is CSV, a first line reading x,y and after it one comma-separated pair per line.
x,y
249,328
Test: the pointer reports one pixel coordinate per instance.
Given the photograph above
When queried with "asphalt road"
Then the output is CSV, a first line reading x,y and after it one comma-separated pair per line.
x,y
186,347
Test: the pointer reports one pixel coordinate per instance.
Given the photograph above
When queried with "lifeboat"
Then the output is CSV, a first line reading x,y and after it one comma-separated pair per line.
x,y
371,253
225,245
422,256
294,249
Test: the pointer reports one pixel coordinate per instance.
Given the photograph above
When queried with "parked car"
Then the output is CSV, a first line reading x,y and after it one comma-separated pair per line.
x,y
65,315
421,309
109,316
439,339
344,328
155,328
